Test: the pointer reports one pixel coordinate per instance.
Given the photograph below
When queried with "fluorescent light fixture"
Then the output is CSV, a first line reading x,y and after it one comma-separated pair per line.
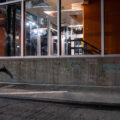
x,y
50,12
53,12
74,26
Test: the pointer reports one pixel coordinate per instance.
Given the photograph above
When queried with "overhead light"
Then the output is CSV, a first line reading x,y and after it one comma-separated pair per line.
x,y
73,26
27,24
31,23
41,6
35,31
17,37
50,13
67,10
42,31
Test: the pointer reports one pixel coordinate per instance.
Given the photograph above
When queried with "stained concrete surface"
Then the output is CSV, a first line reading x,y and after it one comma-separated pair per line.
x,y
91,71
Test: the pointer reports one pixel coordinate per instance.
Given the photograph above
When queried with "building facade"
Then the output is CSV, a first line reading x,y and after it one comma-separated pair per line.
x,y
73,42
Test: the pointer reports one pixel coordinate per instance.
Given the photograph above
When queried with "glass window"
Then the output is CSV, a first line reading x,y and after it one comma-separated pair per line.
x,y
80,27
10,30
41,27
112,27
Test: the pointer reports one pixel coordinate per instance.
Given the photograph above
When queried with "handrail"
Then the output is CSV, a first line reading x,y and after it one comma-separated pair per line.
x,y
85,50
91,50
80,39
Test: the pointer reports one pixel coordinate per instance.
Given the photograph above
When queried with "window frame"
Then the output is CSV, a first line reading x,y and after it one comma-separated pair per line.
x,y
13,2
58,35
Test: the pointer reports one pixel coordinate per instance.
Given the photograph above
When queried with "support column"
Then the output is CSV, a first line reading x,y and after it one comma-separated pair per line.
x,y
102,27
49,38
59,27
22,27
14,31
39,45
8,29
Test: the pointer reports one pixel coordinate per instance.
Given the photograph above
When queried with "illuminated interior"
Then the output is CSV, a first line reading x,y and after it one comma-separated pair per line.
x,y
10,30
80,28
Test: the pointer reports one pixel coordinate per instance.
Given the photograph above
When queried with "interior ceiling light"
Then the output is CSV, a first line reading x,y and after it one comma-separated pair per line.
x,y
17,37
53,12
71,7
50,12
31,23
74,26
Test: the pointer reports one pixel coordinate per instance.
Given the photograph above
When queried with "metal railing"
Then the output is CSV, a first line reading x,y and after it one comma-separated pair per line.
x,y
85,50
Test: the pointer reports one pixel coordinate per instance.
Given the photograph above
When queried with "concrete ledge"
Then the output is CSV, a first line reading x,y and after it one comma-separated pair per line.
x,y
58,87
85,71
63,94
93,105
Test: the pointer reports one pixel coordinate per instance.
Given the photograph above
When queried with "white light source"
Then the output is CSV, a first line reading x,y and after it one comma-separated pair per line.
x,y
42,31
35,31
50,12
33,23
27,24
30,23
74,26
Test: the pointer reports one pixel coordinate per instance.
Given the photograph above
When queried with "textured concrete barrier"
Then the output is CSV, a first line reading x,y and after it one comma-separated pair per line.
x,y
64,71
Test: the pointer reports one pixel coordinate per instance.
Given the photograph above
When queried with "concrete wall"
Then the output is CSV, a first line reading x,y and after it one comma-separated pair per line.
x,y
68,71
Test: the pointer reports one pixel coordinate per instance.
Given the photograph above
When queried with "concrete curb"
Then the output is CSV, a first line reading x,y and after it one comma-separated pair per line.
x,y
93,105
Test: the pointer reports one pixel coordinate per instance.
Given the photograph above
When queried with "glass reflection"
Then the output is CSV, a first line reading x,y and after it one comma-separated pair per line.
x,y
10,30
80,27
41,28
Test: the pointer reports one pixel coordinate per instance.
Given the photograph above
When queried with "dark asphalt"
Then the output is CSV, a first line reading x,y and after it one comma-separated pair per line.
x,y
13,109
23,102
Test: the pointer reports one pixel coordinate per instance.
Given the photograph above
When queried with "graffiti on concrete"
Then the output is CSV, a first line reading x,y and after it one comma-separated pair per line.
x,y
5,70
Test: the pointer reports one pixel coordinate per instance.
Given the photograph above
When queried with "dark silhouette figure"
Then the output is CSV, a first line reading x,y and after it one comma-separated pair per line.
x,y
4,69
